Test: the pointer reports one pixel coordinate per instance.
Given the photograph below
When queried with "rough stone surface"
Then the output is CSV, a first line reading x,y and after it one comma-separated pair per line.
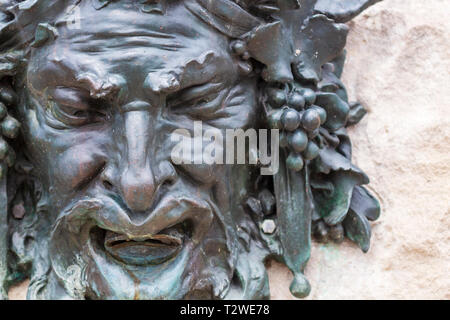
x,y
399,68
19,292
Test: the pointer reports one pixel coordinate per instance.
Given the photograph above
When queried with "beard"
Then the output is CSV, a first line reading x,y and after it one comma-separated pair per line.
x,y
185,249
214,247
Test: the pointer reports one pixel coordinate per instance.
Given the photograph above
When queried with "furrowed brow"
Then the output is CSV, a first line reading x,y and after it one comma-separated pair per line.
x,y
105,87
100,85
193,72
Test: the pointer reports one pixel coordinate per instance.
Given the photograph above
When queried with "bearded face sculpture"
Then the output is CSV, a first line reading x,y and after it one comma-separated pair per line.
x,y
93,206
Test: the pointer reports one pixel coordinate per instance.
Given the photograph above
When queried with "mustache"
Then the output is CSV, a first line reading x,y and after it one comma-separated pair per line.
x,y
212,275
107,214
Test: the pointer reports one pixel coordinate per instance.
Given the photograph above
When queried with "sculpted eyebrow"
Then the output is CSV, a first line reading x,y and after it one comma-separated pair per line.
x,y
196,71
72,96
63,74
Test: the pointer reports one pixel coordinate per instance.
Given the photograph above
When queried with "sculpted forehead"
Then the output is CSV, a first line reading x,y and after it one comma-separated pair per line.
x,y
120,39
123,27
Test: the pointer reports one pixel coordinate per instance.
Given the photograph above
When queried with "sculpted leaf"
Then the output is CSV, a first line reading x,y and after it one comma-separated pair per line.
x,y
337,110
313,53
269,45
333,208
294,207
224,15
343,10
365,203
357,229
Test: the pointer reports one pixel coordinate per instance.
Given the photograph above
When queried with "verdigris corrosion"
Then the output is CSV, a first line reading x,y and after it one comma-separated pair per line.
x,y
93,207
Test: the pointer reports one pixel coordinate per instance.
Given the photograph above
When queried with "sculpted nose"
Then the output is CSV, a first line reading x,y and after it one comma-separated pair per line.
x,y
137,175
138,188
137,180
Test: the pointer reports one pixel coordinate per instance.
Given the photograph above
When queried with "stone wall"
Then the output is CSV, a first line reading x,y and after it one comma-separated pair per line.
x,y
399,67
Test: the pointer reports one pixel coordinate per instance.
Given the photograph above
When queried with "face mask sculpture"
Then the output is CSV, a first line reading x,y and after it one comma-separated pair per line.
x,y
92,205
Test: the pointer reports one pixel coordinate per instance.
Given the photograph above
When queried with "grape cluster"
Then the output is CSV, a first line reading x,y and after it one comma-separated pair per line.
x,y
299,119
9,127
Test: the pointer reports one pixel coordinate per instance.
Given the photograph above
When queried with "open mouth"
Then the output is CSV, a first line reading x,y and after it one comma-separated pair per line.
x,y
149,250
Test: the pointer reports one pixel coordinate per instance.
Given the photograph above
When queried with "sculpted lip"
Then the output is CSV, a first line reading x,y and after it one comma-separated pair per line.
x,y
155,249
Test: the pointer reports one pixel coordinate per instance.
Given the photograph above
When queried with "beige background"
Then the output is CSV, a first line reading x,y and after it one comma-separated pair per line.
x,y
399,67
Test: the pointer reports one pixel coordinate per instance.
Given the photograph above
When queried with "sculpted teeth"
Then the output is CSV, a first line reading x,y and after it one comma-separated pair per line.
x,y
172,239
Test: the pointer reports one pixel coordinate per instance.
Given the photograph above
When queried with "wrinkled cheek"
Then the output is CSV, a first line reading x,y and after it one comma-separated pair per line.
x,y
76,167
198,157
64,160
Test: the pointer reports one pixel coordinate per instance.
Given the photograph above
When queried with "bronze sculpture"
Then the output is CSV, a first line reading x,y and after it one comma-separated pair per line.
x,y
93,205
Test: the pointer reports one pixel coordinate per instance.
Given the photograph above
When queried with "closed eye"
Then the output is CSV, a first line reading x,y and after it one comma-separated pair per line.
x,y
73,107
199,101
73,117
194,94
